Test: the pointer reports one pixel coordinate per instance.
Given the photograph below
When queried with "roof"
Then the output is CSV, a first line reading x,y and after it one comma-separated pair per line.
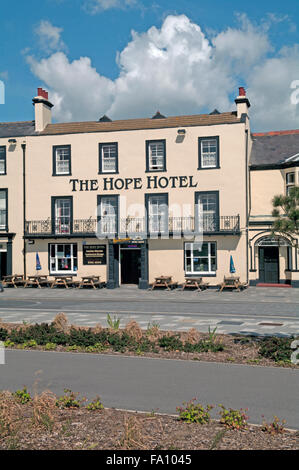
x,y
17,129
138,124
275,149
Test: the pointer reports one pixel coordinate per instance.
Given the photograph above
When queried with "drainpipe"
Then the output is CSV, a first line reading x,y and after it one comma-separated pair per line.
x,y
24,208
247,210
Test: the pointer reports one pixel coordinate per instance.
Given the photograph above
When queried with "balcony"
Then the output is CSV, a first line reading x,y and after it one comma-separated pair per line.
x,y
133,227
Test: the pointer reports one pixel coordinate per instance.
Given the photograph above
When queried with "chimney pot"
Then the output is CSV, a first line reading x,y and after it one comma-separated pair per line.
x,y
242,91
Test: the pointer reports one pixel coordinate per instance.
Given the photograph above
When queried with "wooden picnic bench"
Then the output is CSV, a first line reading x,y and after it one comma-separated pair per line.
x,y
37,280
197,282
164,281
232,282
13,280
90,281
64,281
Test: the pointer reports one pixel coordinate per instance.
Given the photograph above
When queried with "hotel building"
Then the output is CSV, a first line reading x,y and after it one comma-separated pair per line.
x,y
130,200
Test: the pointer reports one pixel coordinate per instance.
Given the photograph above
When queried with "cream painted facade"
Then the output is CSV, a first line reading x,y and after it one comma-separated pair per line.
x,y
180,190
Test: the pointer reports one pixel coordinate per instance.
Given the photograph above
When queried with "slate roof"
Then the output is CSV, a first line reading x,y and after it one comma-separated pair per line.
x,y
17,129
275,149
138,124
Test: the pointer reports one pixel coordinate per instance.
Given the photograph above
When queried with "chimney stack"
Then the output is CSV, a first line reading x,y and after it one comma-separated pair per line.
x,y
242,103
42,109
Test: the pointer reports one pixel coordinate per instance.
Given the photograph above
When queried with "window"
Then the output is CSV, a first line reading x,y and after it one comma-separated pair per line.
x,y
200,258
207,210
208,150
62,208
3,209
2,160
108,159
62,160
108,214
157,210
63,258
156,155
290,182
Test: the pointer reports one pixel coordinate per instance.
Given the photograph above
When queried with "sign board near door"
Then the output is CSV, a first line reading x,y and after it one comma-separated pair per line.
x,y
94,254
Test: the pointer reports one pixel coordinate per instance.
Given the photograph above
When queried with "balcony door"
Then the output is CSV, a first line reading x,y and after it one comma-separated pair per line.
x,y
157,209
208,210
62,215
108,214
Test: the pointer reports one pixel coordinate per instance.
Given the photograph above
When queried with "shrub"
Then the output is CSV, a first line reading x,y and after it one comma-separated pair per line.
x,y
96,404
68,400
277,349
3,334
233,419
274,427
22,396
50,346
60,322
82,337
42,334
171,343
194,412
134,330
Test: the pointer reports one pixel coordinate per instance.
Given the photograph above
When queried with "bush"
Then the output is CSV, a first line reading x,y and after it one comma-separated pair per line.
x,y
171,343
68,400
42,334
275,427
233,419
82,337
194,412
22,396
96,404
3,334
277,349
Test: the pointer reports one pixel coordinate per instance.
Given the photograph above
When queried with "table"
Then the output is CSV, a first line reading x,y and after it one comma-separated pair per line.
x,y
36,280
13,280
195,282
232,282
62,281
164,281
91,281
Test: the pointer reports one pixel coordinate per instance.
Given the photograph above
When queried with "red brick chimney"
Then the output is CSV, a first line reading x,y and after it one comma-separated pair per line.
x,y
42,108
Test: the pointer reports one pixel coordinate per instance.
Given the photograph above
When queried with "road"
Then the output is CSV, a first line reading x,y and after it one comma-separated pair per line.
x,y
146,384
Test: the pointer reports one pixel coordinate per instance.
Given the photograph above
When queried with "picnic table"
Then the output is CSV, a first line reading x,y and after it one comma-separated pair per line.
x,y
13,280
90,281
37,280
195,282
232,282
164,281
65,281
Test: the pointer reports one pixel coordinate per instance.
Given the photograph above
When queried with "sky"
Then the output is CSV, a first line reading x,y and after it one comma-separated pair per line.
x,y
130,58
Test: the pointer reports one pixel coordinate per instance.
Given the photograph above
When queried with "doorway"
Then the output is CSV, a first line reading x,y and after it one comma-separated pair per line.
x,y
3,264
269,264
130,265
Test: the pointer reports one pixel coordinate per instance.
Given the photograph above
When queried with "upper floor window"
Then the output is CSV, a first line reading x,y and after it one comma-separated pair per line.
x,y
61,160
157,213
108,158
290,182
3,209
2,160
207,210
62,215
156,155
208,152
108,215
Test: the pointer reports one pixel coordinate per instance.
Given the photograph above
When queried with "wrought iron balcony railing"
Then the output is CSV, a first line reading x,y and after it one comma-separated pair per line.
x,y
132,227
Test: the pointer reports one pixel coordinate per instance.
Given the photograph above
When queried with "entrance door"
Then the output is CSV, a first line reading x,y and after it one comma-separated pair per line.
x,y
269,264
130,265
3,264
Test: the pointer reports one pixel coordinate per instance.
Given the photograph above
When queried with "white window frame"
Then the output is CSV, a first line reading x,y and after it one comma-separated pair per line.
x,y
3,212
157,213
191,246
2,161
62,155
208,154
292,184
63,222
108,214
110,158
157,153
73,259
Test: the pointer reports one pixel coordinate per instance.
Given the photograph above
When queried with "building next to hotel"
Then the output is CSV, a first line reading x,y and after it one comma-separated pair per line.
x,y
130,200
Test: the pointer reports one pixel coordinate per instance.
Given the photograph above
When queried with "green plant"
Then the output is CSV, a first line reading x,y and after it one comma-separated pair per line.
x,y
96,404
171,343
277,349
3,334
8,343
113,323
274,427
30,344
68,400
23,396
192,412
152,327
233,419
50,346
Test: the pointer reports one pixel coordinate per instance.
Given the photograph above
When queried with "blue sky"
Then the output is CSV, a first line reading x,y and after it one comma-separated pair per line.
x,y
194,59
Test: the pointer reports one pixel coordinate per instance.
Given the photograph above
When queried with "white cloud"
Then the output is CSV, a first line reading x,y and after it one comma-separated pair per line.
x,y
177,70
49,36
96,6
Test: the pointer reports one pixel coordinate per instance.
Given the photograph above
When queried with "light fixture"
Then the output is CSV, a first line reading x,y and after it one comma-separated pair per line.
x,y
12,141
181,131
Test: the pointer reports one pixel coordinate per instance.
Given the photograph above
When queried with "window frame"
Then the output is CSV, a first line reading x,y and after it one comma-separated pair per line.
x,y
201,273
148,196
53,207
101,171
55,148
197,195
99,214
66,272
147,153
3,147
202,139
5,228
290,185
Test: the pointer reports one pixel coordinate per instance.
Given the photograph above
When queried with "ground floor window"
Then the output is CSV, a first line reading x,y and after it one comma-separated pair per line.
x,y
63,258
200,258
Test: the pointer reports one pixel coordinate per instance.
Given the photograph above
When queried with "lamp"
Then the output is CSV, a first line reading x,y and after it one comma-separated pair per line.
x,y
181,131
12,141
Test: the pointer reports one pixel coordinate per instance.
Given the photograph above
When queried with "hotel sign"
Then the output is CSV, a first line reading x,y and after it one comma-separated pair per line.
x,y
94,254
119,184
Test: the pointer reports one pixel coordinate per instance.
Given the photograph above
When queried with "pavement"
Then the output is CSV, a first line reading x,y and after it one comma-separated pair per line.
x,y
146,384
254,311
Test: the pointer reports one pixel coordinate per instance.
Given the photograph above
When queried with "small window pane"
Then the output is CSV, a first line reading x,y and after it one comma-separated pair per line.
x,y
109,158
62,160
209,153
